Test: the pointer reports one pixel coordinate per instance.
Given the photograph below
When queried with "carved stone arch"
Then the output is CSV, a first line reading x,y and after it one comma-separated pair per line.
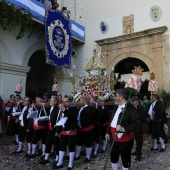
x,y
134,54
30,50
4,55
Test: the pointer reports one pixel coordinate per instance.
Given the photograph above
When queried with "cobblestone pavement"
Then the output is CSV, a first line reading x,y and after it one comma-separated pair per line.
x,y
150,160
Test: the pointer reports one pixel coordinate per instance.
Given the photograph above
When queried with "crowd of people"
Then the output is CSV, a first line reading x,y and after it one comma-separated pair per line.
x,y
58,126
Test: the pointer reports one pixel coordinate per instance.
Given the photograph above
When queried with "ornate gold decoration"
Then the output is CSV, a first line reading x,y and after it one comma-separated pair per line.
x,y
138,70
57,41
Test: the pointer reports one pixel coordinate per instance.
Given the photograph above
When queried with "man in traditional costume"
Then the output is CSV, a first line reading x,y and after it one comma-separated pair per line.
x,y
25,129
157,112
51,138
14,119
40,129
85,133
97,125
124,140
139,132
104,122
68,132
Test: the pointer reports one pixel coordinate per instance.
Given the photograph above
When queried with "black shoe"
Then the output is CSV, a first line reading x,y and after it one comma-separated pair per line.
x,y
17,152
138,158
162,150
75,159
93,155
57,167
152,149
87,160
69,168
44,162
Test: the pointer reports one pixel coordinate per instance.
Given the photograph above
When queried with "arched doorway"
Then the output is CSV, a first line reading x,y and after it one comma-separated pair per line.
x,y
40,76
125,67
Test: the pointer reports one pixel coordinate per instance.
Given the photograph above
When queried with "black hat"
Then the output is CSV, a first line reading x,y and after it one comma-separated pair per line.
x,y
133,98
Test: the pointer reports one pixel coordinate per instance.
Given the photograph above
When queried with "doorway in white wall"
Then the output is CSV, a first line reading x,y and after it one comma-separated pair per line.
x,y
40,76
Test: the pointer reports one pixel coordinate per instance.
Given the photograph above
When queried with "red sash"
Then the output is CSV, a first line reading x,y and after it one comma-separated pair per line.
x,y
45,126
85,129
71,133
126,137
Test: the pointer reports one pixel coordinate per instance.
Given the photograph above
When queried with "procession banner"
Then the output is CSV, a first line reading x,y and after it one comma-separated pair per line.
x,y
58,39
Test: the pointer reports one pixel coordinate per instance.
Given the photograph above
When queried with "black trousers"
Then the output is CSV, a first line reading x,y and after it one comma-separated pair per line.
x,y
40,134
15,126
122,149
103,132
85,138
157,130
22,134
139,142
52,140
69,141
97,132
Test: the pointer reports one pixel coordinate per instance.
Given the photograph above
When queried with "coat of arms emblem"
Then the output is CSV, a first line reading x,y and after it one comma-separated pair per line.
x,y
104,27
155,13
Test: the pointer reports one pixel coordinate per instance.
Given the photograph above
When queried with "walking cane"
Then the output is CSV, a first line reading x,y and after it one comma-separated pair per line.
x,y
107,158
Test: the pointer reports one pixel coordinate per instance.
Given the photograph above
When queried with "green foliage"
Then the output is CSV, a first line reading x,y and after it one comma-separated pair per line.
x,y
12,16
165,96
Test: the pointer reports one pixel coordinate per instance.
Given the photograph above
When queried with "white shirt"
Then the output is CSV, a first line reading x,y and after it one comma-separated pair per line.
x,y
51,109
115,119
79,114
151,108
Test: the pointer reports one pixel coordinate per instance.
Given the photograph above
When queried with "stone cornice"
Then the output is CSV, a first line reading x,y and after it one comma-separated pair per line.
x,y
13,69
158,30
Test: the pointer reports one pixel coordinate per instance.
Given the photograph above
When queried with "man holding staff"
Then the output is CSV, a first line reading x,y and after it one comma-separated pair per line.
x,y
124,139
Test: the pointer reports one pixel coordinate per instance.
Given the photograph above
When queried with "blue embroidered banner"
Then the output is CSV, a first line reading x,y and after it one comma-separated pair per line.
x,y
58,39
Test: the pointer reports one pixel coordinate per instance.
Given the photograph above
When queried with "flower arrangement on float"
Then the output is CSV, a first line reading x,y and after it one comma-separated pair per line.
x,y
91,88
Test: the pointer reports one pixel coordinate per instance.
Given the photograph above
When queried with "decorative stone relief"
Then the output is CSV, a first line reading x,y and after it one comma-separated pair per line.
x,y
128,24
